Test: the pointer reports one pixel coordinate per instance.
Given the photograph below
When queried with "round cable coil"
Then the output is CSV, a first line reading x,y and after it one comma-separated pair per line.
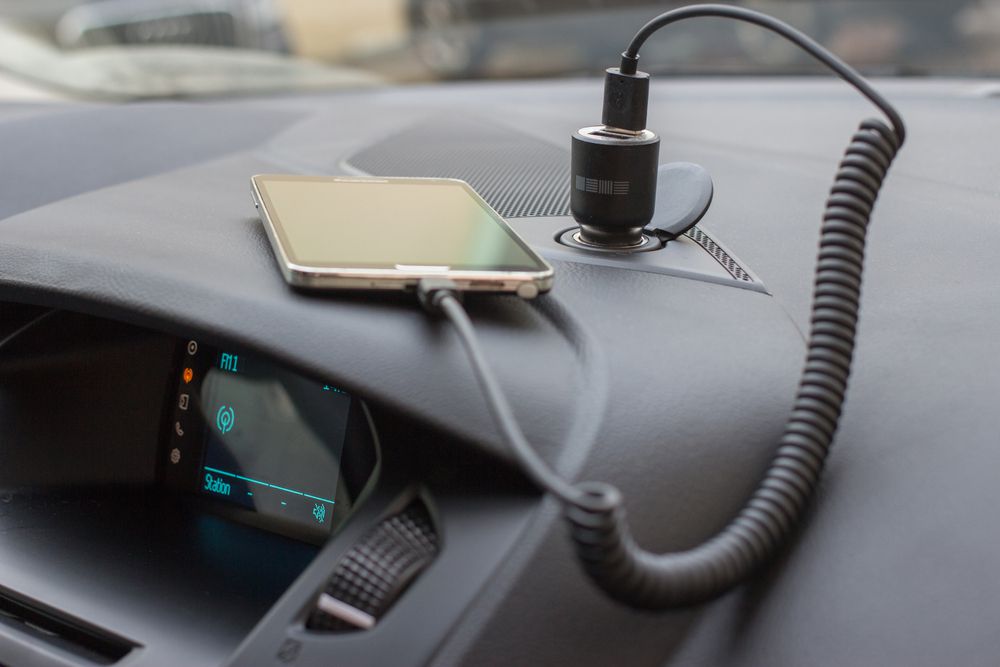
x,y
605,547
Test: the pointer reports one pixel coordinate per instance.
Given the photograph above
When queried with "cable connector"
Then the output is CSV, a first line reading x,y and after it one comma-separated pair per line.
x,y
614,166
626,98
432,291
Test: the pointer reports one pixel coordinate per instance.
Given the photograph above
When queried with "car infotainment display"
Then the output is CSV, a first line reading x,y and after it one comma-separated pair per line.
x,y
249,434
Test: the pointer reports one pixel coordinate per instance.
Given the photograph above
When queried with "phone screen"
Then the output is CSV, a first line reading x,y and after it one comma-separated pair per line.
x,y
386,223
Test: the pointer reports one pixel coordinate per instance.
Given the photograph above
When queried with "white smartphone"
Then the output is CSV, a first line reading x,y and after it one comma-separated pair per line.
x,y
331,232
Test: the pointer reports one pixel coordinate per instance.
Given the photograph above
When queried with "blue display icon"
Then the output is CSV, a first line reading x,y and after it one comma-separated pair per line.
x,y
319,512
229,362
225,419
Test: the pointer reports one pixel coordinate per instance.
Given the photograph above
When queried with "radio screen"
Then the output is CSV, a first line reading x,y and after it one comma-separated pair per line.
x,y
273,439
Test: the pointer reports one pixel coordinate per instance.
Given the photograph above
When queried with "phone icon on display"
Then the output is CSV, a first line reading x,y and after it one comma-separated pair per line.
x,y
178,430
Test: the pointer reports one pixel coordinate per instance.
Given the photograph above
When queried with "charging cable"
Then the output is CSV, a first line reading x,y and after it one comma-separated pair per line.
x,y
594,511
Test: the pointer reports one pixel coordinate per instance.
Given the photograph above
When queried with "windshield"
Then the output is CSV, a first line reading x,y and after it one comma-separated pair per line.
x,y
174,48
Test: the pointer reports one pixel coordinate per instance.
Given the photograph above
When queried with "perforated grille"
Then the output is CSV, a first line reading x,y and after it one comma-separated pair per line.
x,y
720,255
376,570
518,175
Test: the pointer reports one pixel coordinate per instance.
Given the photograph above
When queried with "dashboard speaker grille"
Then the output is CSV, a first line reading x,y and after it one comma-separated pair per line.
x,y
720,255
518,175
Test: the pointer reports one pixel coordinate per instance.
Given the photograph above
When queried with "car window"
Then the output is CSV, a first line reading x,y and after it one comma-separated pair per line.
x,y
154,48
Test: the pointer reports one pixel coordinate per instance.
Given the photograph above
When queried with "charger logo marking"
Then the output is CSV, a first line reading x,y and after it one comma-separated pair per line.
x,y
602,186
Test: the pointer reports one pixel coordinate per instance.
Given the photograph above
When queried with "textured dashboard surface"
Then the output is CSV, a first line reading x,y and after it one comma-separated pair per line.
x,y
691,380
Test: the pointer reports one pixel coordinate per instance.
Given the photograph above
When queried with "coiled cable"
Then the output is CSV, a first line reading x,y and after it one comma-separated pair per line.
x,y
594,511
599,527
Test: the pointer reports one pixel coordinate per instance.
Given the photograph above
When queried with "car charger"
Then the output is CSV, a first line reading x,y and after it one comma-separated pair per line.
x,y
614,167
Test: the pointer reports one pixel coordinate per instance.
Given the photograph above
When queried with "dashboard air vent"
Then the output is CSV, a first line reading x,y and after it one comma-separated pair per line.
x,y
372,575
72,636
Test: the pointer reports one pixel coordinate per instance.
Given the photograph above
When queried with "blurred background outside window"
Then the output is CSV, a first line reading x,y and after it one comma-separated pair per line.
x,y
174,48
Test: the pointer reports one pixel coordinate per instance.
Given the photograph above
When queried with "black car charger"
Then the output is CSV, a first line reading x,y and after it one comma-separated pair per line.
x,y
614,167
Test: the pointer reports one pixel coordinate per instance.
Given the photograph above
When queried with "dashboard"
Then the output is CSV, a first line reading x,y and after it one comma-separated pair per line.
x,y
191,485
201,466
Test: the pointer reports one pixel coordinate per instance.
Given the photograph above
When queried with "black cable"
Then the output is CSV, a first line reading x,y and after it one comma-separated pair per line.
x,y
598,525
441,297
630,58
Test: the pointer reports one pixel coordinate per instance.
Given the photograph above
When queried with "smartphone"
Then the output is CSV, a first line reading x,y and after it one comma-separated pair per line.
x,y
331,232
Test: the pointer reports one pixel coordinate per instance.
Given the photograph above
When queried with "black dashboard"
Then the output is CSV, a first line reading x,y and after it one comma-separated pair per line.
x,y
134,273
176,489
